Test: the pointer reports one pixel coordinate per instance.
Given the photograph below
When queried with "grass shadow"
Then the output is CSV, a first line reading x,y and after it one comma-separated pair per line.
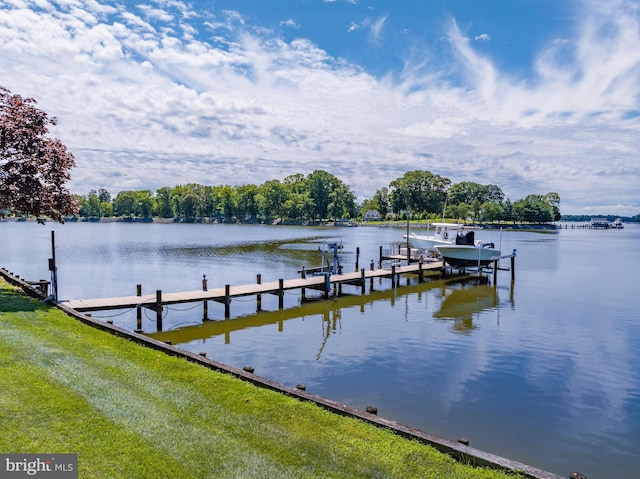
x,y
13,300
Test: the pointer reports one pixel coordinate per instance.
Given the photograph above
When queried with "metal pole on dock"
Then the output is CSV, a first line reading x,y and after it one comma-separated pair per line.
x,y
53,267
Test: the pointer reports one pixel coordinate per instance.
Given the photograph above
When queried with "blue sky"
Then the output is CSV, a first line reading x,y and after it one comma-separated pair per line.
x,y
531,95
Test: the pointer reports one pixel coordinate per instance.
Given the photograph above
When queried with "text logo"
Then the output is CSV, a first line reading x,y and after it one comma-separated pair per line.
x,y
47,466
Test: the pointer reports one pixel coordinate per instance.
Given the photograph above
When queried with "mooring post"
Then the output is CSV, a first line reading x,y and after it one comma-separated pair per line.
x,y
371,279
327,285
420,272
303,275
159,310
227,300
205,303
393,276
281,293
139,308
513,266
380,260
362,284
357,256
259,296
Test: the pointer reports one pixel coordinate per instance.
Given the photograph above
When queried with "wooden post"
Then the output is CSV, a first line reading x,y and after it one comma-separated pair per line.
x,y
139,308
393,276
259,296
205,303
380,260
303,275
495,272
362,285
513,266
371,279
227,301
159,310
420,273
357,256
281,293
327,285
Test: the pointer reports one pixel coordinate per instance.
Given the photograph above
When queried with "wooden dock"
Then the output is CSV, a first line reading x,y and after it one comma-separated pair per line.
x,y
224,295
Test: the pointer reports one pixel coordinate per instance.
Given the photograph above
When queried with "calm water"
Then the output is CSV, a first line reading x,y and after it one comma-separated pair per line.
x,y
544,371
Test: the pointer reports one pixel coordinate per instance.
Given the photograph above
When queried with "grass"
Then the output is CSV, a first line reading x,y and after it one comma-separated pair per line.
x,y
133,412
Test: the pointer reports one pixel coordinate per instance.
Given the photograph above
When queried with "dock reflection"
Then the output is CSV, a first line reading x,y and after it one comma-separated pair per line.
x,y
329,310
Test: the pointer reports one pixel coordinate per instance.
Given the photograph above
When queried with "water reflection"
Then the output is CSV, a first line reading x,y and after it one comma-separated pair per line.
x,y
329,311
466,301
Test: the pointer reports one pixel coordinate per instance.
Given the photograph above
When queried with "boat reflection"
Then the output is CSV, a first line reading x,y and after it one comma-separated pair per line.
x,y
465,302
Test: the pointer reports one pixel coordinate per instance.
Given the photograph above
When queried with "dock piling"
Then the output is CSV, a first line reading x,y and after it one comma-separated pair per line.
x,y
139,309
259,296
159,310
227,301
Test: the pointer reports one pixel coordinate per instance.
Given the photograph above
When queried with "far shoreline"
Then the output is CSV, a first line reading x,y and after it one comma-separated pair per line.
x,y
414,224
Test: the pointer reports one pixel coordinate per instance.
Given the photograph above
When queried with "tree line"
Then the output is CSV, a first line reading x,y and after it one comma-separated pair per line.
x,y
34,170
321,196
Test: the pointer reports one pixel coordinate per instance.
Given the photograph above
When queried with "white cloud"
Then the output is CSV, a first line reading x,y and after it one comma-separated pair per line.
x,y
376,28
289,23
484,37
143,103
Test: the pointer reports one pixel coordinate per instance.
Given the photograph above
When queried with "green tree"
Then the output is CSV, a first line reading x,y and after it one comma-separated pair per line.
x,y
247,201
326,189
271,198
163,202
125,203
419,191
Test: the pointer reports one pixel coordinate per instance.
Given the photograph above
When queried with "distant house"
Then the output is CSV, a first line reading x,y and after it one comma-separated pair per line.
x,y
372,215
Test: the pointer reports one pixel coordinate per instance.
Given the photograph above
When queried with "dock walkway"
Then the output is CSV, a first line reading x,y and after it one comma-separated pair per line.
x,y
225,294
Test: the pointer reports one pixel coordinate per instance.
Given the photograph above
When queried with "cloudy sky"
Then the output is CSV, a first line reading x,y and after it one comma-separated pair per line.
x,y
531,95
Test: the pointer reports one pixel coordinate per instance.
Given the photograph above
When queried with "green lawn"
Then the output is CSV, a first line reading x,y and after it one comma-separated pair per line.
x,y
133,412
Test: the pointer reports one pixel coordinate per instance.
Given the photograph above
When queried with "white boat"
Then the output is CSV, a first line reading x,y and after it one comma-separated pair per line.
x,y
444,234
617,224
467,252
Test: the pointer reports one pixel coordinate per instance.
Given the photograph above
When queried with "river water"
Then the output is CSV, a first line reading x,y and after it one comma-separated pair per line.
x,y
543,370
